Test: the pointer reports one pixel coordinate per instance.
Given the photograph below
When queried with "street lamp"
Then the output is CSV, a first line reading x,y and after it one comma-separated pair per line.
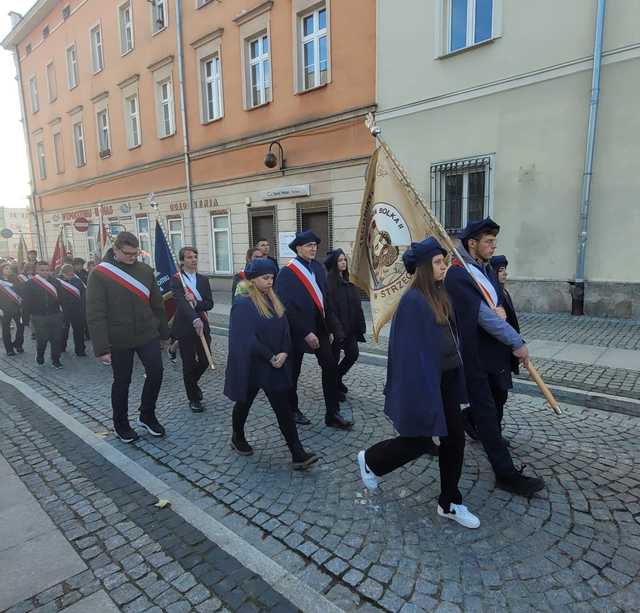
x,y
271,160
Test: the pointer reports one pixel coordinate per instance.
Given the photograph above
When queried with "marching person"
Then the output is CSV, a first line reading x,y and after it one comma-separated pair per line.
x,y
265,248
302,287
259,358
488,342
344,299
11,310
126,316
191,323
237,287
72,299
79,271
425,383
42,308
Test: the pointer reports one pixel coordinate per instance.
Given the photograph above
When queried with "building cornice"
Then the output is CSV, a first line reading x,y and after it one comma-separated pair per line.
x,y
165,61
75,110
256,11
99,97
134,78
207,38
33,17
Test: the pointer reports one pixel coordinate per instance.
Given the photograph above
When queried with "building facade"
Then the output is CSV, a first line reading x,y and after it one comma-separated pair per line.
x,y
18,220
486,104
131,118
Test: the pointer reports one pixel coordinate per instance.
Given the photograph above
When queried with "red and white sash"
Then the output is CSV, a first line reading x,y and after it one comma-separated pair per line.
x,y
191,285
124,279
308,280
46,286
7,289
482,283
81,281
23,278
69,288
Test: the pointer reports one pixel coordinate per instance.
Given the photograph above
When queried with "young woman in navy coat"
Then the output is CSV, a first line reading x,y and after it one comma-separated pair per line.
x,y
259,348
425,383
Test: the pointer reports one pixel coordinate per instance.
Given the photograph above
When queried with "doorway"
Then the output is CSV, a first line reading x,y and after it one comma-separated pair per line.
x,y
316,216
262,224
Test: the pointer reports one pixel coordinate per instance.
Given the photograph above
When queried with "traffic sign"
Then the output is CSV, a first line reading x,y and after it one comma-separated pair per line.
x,y
6,233
81,224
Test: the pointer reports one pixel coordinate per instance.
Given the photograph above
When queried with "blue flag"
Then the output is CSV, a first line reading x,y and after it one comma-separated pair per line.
x,y
165,264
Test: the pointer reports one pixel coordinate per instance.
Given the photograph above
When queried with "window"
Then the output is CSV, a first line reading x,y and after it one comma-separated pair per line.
x,y
104,142
314,52
58,152
175,235
259,70
460,191
158,15
142,228
97,58
470,22
33,90
165,103
126,28
72,66
45,32
78,143
28,49
221,244
66,12
133,121
42,166
212,88
52,85
92,239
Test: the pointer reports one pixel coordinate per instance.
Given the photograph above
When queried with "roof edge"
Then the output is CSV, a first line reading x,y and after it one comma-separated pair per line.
x,y
31,19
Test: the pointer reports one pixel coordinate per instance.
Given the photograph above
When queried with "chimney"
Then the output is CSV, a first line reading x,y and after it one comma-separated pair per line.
x,y
15,18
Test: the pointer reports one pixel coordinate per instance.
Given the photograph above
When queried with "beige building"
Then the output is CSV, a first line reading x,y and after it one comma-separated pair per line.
x,y
18,220
104,86
486,104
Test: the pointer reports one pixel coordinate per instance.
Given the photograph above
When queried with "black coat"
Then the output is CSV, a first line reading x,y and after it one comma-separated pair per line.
x,y
71,306
185,313
512,319
344,299
8,306
38,301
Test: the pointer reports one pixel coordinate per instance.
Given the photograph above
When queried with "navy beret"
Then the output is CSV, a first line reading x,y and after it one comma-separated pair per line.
x,y
259,267
304,237
332,258
421,253
499,261
475,228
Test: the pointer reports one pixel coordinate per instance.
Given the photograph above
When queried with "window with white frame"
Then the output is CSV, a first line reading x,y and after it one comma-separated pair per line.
x,y
220,229
42,166
78,144
67,238
33,90
142,230
175,234
58,152
52,85
461,191
72,66
158,15
211,88
259,70
314,48
92,239
470,23
126,27
134,138
104,141
165,108
97,57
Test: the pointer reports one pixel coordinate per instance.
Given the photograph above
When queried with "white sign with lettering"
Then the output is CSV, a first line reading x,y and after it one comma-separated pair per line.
x,y
284,238
291,191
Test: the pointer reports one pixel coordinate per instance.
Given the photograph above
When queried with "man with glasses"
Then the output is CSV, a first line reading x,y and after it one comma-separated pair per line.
x,y
126,316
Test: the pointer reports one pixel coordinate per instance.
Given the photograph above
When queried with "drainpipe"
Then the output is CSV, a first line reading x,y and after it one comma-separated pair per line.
x,y
183,116
577,299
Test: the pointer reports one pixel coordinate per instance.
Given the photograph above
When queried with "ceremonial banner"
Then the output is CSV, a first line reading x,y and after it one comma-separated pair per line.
x,y
58,253
22,252
391,218
165,269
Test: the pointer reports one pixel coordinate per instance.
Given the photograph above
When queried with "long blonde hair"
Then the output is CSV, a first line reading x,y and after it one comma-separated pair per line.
x,y
262,304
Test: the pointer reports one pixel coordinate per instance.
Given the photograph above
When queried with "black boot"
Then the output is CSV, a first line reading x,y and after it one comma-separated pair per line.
x,y
520,484
337,421
239,444
301,459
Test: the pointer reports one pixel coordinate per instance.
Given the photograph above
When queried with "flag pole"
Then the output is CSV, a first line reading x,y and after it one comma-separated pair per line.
x,y
435,222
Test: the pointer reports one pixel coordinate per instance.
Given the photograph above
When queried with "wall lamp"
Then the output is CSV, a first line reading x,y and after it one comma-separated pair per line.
x,y
271,159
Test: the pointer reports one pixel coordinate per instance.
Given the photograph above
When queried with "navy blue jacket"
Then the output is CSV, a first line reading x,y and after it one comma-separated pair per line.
x,y
71,306
253,341
185,313
413,398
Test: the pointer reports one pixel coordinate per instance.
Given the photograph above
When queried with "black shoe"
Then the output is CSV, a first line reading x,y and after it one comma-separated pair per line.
x,y
342,397
338,422
342,387
40,360
240,446
19,349
520,484
128,435
195,406
303,460
300,418
152,425
56,364
469,428
11,353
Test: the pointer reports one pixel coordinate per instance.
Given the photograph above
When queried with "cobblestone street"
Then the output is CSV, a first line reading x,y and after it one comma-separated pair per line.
x,y
576,547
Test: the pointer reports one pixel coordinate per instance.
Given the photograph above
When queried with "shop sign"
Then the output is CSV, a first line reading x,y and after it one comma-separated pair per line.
x,y
291,191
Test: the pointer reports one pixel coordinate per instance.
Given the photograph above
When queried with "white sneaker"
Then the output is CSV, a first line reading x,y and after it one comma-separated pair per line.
x,y
460,513
368,478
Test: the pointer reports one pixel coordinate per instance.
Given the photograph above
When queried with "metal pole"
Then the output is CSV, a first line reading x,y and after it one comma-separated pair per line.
x,y
183,116
577,302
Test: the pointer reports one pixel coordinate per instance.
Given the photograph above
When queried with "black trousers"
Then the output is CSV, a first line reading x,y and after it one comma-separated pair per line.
x,y
386,456
194,363
122,365
351,353
76,322
279,401
48,329
488,395
327,363
16,343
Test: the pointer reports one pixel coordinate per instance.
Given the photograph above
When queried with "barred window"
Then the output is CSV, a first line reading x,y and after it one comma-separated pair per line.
x,y
460,191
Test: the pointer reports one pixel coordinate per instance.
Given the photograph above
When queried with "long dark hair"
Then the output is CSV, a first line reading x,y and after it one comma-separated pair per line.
x,y
433,291
333,276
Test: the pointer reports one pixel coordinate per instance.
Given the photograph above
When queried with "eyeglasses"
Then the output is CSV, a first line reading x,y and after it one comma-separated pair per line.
x,y
131,254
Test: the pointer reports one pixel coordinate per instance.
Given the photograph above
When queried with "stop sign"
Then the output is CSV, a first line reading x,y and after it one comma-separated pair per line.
x,y
81,224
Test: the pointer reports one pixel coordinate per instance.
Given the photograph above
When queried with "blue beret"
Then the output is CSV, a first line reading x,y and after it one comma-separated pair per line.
x,y
259,267
421,253
499,261
332,258
475,228
304,237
